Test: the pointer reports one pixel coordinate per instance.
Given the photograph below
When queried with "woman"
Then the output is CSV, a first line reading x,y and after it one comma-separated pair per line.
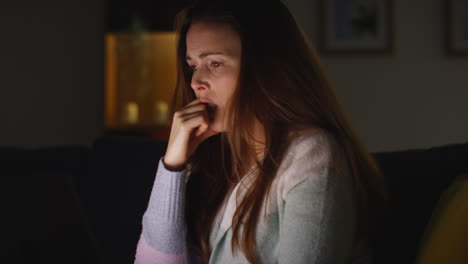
x,y
262,165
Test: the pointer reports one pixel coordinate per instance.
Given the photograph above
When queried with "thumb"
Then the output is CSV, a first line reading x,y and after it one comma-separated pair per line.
x,y
208,133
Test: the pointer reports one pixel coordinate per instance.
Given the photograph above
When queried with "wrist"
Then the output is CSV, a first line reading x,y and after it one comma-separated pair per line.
x,y
173,167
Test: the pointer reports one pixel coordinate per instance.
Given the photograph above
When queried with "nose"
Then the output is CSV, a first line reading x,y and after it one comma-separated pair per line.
x,y
199,82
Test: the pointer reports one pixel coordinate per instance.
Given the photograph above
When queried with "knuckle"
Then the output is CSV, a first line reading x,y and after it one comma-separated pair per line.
x,y
201,118
196,119
185,125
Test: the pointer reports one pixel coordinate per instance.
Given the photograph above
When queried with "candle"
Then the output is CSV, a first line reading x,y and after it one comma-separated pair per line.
x,y
131,113
161,113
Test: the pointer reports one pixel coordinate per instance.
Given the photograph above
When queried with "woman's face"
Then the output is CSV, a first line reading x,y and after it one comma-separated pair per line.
x,y
214,55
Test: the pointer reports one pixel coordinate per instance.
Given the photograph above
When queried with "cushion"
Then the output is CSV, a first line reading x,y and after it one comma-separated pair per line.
x,y
446,237
427,173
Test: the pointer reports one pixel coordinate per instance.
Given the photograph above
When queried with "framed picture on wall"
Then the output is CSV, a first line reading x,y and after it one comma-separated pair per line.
x,y
356,26
456,27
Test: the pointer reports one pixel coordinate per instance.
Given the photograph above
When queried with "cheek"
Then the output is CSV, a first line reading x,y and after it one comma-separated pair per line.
x,y
227,85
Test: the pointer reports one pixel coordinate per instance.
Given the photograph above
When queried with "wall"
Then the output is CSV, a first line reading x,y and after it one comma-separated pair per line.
x,y
416,98
51,72
51,76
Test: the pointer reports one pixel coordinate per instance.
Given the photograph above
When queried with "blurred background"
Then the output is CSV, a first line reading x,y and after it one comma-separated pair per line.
x,y
85,87
59,57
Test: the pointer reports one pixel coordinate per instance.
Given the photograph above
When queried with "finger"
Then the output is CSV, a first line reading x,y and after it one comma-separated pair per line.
x,y
208,133
196,121
205,123
188,116
192,103
201,129
193,109
185,111
203,126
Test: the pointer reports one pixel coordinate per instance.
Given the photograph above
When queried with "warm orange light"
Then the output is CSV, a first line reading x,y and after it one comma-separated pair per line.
x,y
140,73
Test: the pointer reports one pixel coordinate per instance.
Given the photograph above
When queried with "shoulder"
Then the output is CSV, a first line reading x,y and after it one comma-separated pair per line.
x,y
310,154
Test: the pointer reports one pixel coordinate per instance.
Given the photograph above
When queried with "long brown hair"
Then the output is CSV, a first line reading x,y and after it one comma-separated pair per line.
x,y
283,85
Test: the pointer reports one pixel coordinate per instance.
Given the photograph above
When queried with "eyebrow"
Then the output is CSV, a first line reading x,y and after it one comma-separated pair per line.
x,y
205,54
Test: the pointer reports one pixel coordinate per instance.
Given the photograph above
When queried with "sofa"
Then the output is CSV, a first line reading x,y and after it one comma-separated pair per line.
x,y
80,204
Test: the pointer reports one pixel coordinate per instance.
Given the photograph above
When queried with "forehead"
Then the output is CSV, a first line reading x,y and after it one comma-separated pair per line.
x,y
203,37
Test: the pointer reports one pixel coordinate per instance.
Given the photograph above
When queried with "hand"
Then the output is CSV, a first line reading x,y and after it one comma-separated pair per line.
x,y
190,127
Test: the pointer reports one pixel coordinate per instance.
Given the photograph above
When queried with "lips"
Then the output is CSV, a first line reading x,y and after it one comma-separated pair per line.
x,y
211,107
206,101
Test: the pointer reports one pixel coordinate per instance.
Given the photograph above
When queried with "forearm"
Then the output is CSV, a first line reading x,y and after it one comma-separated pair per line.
x,y
163,237
145,254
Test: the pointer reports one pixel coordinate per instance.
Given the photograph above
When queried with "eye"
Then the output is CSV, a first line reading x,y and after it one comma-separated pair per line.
x,y
193,67
215,64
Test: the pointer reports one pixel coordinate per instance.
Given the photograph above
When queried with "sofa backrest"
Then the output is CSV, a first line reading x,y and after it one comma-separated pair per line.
x,y
43,221
118,188
416,178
